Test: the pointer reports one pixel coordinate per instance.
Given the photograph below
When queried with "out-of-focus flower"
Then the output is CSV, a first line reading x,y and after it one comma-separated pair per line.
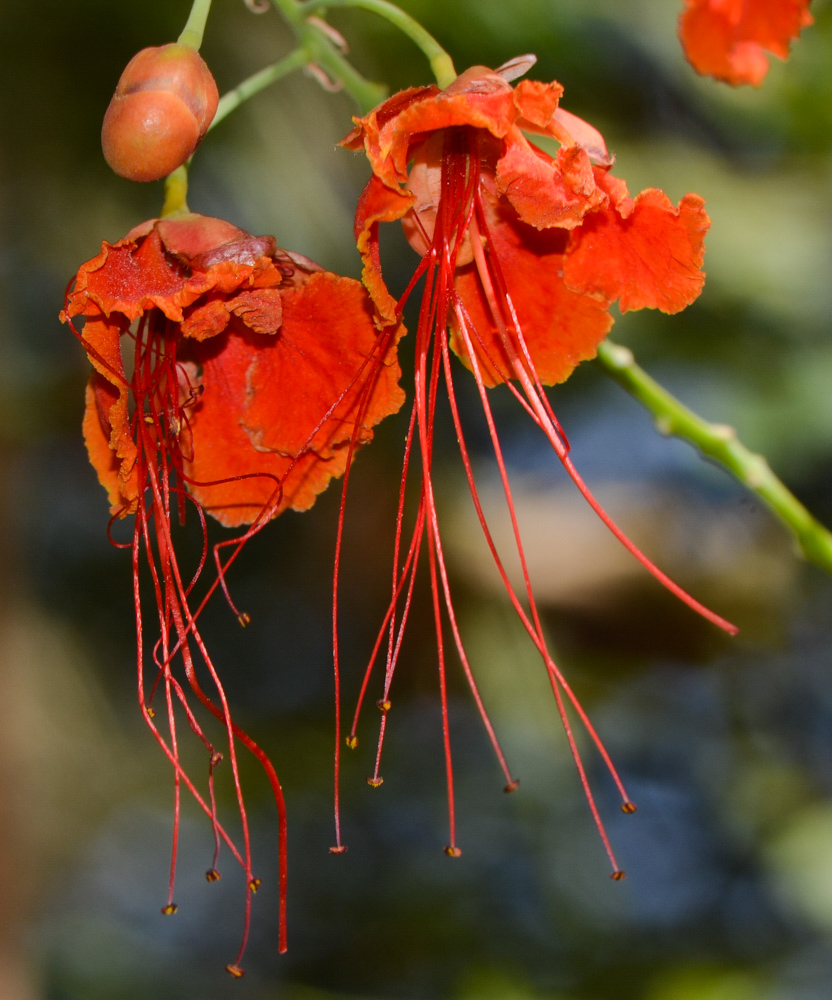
x,y
729,39
230,376
162,107
522,256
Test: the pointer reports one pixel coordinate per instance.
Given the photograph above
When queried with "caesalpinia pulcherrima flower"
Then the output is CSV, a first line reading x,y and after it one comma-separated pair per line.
x,y
729,39
230,377
522,256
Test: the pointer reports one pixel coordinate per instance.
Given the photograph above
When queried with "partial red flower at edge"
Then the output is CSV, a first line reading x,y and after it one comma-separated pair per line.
x,y
729,39
252,380
522,255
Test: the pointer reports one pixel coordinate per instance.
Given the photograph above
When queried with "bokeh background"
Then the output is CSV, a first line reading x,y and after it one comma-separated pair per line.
x,y
726,745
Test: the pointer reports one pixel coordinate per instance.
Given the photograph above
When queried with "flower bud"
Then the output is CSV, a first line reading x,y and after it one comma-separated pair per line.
x,y
162,107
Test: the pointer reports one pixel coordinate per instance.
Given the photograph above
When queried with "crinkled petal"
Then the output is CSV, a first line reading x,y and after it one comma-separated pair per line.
x,y
378,203
548,192
537,102
146,272
387,139
327,353
110,444
216,448
131,279
728,39
264,409
646,253
260,310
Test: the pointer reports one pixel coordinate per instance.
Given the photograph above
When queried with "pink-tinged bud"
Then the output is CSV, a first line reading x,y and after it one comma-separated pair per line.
x,y
162,107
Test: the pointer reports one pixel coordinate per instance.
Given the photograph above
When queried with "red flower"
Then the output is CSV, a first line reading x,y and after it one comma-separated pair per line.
x,y
729,39
236,377
523,254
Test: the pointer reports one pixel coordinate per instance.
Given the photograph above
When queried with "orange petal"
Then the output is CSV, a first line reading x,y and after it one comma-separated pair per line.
x,y
378,204
110,445
263,398
130,279
645,252
216,447
728,38
142,272
548,192
327,352
537,102
388,131
560,327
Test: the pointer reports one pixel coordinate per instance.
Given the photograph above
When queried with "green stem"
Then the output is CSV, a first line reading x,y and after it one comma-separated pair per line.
x,y
719,442
323,53
257,82
195,28
176,193
440,62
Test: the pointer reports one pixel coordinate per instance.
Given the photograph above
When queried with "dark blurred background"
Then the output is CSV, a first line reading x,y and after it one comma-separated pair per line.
x,y
726,745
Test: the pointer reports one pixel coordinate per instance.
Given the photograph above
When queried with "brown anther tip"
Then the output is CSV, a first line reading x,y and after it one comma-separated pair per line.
x,y
255,884
384,705
169,910
617,876
340,849
352,742
512,786
244,618
628,807
212,875
375,782
151,712
235,971
216,758
453,852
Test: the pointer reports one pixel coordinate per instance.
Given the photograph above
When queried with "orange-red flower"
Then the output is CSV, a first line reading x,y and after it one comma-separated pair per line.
x,y
230,376
729,39
522,255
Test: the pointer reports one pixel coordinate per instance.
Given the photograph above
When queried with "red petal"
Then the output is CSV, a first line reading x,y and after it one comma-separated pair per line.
x,y
326,353
548,192
537,102
560,327
110,445
387,139
728,38
378,204
216,447
645,252
138,274
263,398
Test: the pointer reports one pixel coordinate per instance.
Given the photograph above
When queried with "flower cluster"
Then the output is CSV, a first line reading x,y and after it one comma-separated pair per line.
x,y
236,379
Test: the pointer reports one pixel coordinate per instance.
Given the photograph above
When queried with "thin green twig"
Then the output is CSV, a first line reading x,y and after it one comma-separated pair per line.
x,y
720,442
257,82
323,52
440,62
195,28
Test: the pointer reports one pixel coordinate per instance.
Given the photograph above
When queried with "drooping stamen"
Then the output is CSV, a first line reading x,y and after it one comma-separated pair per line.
x,y
536,399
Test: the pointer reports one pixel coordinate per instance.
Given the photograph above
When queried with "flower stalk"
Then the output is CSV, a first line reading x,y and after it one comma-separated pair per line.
x,y
441,63
195,28
258,81
719,442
